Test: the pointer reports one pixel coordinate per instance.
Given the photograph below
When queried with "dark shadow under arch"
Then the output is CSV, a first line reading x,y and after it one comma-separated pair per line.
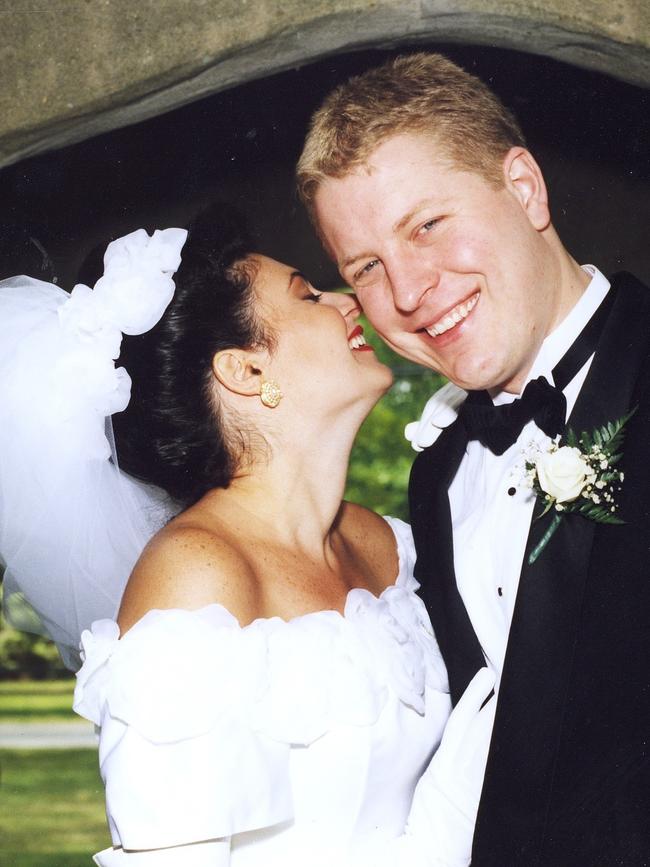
x,y
588,130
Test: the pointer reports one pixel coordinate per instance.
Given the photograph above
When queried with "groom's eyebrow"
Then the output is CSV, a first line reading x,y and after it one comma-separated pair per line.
x,y
356,258
406,219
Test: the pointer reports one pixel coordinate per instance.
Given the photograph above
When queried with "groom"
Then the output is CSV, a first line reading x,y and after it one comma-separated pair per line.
x,y
423,191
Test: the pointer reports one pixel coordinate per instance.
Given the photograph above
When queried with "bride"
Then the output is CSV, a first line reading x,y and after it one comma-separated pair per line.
x,y
270,692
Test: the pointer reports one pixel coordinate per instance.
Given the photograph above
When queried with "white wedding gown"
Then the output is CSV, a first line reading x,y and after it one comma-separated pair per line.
x,y
301,741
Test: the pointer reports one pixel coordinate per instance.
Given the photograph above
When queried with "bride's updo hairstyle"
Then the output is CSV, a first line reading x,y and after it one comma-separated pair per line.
x,y
174,434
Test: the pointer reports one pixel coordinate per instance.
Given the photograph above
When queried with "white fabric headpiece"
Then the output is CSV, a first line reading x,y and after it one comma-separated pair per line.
x,y
71,525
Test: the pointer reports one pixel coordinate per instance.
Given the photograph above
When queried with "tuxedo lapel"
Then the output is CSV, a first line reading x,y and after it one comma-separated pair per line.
x,y
432,473
610,385
537,670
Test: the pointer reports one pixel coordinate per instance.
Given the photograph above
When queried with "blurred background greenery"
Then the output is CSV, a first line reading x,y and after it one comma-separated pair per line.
x,y
52,799
381,458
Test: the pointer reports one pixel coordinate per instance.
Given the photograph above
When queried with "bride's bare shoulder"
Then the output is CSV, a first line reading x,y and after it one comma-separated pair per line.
x,y
189,565
371,536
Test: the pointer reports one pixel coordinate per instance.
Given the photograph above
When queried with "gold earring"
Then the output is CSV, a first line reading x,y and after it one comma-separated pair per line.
x,y
270,393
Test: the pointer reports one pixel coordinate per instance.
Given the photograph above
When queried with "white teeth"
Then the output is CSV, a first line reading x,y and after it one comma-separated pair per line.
x,y
357,341
454,316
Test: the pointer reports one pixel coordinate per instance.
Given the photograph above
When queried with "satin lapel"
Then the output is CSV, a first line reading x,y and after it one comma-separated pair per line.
x,y
432,473
537,668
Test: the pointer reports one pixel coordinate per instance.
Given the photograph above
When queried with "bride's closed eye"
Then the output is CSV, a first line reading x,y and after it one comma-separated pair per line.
x,y
314,296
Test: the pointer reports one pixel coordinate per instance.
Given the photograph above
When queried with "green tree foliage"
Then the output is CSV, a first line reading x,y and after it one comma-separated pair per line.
x,y
27,655
381,459
23,654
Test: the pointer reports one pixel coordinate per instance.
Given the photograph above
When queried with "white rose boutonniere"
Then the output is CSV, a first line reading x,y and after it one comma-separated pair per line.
x,y
563,473
580,476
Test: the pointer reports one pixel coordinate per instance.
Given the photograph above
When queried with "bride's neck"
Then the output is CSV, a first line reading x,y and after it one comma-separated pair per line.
x,y
293,492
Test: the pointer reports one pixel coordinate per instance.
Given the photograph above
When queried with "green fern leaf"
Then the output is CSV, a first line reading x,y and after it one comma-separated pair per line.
x,y
586,442
571,439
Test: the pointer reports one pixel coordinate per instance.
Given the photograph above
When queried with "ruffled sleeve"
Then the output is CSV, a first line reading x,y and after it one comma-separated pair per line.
x,y
405,551
199,715
178,763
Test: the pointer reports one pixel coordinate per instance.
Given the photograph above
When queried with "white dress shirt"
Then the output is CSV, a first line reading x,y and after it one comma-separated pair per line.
x,y
491,514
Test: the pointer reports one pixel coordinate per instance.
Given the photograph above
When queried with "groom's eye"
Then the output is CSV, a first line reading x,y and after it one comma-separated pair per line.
x,y
366,269
428,226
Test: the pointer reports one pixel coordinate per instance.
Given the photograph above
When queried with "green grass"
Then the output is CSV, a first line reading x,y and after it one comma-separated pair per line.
x,y
37,701
52,808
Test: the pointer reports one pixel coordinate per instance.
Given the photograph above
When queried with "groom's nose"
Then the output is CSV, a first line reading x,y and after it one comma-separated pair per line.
x,y
410,279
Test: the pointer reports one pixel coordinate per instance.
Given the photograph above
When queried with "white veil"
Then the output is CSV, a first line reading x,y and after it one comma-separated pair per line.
x,y
71,524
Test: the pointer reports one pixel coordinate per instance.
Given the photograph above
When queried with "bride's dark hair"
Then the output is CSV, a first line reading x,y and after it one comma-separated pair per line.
x,y
173,434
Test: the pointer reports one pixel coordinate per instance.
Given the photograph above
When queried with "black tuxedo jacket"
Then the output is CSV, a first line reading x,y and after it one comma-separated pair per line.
x,y
568,779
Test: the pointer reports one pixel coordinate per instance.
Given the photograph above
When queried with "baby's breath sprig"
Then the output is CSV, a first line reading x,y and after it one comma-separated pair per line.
x,y
580,476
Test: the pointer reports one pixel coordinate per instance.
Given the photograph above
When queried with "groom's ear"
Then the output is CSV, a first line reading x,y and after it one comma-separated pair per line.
x,y
524,178
239,371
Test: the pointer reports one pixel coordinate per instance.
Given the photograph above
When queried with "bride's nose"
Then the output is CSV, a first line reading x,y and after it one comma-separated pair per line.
x,y
346,303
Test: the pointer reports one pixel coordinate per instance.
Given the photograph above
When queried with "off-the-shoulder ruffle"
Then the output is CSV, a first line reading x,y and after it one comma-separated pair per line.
x,y
176,673
196,688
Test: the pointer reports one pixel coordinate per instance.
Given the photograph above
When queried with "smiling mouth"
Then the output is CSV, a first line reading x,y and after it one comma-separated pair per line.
x,y
356,340
456,315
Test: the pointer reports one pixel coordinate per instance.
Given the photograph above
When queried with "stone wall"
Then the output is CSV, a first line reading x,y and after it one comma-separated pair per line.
x,y
74,68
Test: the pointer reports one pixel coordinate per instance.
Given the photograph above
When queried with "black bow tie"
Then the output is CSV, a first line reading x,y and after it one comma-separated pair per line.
x,y
498,427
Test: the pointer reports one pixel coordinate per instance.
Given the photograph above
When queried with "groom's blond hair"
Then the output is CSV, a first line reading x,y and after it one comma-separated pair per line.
x,y
418,93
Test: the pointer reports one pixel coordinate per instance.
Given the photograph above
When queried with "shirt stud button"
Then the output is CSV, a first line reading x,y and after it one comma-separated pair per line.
x,y
500,591
512,492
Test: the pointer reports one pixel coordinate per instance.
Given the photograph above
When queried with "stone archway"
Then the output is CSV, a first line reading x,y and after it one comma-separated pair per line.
x,y
74,69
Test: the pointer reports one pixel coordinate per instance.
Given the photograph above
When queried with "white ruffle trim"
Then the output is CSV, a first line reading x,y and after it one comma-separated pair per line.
x,y
440,411
177,673
193,692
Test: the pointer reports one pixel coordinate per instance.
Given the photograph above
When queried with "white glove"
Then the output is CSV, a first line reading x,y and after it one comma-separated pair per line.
x,y
445,803
440,826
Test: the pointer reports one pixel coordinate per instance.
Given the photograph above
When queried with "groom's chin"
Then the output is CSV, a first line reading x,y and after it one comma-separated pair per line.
x,y
471,376
476,370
